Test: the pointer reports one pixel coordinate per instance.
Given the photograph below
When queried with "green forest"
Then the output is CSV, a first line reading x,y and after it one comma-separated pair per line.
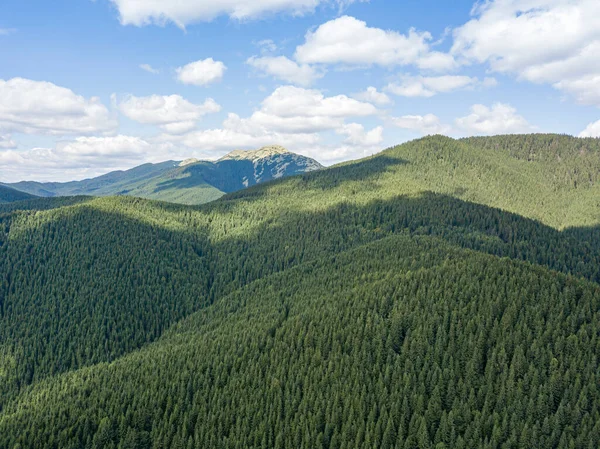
x,y
9,195
441,294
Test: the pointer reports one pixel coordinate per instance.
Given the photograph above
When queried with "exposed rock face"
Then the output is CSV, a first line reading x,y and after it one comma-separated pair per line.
x,y
272,162
261,153
188,161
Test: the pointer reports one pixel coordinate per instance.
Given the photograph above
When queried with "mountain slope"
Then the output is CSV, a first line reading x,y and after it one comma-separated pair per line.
x,y
418,298
268,163
336,351
178,185
187,182
109,184
8,195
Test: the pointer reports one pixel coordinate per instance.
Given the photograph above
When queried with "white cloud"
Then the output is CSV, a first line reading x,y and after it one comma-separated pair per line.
x,y
357,136
290,101
285,69
372,95
436,61
586,89
201,73
291,116
172,113
294,110
7,31
242,133
39,107
542,41
347,40
428,86
80,158
267,46
592,130
423,124
9,157
6,142
295,124
148,68
499,119
185,12
337,152
101,147
489,82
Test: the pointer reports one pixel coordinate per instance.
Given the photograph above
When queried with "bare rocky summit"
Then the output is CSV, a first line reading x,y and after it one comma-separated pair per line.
x,y
273,162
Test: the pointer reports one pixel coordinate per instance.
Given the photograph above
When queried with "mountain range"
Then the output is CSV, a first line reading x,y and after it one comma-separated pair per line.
x,y
187,182
440,294
8,195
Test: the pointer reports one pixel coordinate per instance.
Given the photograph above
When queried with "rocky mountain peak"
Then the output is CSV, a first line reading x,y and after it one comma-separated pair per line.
x,y
254,155
188,161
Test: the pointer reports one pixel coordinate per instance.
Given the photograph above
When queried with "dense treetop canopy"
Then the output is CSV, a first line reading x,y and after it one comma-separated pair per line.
x,y
441,294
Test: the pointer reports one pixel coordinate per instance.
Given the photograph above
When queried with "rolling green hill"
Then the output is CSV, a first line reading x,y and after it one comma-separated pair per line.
x,y
8,195
187,182
441,294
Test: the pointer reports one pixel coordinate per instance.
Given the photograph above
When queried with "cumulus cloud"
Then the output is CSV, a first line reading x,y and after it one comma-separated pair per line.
x,y
296,124
285,69
428,86
372,95
172,113
100,147
80,158
422,124
148,68
202,72
489,81
291,116
592,130
39,107
436,61
295,110
585,90
185,12
542,41
290,101
347,40
235,133
499,119
6,142
356,135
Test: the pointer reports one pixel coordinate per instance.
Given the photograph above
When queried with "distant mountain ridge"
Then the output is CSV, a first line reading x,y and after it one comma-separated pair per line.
x,y
9,195
191,181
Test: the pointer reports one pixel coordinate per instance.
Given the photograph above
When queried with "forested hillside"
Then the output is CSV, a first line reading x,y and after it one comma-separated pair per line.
x,y
441,294
108,184
8,195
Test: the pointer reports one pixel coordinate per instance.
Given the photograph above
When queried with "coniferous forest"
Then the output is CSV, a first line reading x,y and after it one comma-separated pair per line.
x,y
441,294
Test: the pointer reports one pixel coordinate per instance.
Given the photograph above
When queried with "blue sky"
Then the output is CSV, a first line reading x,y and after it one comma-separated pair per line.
x,y
91,86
